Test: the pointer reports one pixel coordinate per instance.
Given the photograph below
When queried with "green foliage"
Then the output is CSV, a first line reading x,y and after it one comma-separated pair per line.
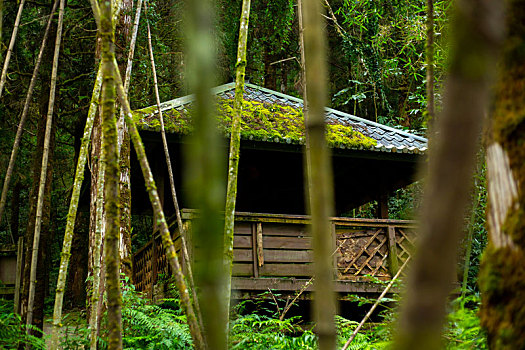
x,y
150,326
13,331
463,330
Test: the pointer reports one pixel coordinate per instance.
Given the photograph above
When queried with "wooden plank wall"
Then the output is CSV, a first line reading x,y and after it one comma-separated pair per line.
x,y
276,246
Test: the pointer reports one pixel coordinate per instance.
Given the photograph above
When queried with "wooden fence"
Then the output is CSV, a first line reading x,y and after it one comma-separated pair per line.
x,y
275,251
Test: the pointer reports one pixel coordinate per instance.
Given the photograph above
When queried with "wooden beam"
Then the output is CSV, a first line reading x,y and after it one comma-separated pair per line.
x,y
393,264
260,248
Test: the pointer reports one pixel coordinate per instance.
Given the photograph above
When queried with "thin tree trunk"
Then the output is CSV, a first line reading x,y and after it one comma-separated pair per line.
x,y
95,296
111,190
72,213
430,60
18,137
167,242
11,46
502,273
470,234
205,169
452,159
320,171
172,181
235,145
43,173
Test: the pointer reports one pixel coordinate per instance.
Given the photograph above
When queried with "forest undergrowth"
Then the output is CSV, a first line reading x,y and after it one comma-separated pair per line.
x,y
254,325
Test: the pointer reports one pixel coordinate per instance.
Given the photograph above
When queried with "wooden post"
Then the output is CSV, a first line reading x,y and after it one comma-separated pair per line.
x,y
153,266
260,248
254,250
19,261
336,253
383,206
393,264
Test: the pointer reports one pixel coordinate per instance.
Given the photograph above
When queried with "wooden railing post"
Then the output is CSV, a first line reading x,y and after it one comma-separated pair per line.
x,y
153,266
393,264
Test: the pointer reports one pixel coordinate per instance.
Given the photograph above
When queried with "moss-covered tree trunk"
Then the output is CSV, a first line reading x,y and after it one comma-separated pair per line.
x,y
502,274
72,213
319,170
235,145
111,178
476,38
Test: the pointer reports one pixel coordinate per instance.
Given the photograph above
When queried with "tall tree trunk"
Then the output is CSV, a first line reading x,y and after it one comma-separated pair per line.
x,y
319,170
15,210
122,40
235,145
43,170
3,77
72,213
111,190
18,137
430,60
452,159
204,169
502,275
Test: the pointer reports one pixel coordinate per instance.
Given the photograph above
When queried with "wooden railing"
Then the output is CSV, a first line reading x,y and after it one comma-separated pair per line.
x,y
268,248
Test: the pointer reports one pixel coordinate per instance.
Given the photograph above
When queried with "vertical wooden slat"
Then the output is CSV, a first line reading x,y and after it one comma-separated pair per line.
x,y
334,247
19,259
260,248
254,249
393,264
153,279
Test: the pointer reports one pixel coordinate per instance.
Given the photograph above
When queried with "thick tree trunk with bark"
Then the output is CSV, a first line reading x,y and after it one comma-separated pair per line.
x,y
452,159
502,275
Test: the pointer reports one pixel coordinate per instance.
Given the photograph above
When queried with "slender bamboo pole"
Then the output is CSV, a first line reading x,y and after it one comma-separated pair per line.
x,y
72,213
372,309
319,170
95,296
20,130
430,61
11,46
43,173
167,242
172,180
235,144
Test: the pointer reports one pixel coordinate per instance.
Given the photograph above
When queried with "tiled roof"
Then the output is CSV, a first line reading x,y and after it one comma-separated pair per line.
x,y
387,139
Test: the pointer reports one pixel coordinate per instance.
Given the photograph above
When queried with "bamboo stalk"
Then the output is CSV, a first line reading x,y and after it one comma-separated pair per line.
x,y
20,130
205,169
430,60
371,311
72,213
11,46
167,242
43,172
172,180
235,144
319,171
95,296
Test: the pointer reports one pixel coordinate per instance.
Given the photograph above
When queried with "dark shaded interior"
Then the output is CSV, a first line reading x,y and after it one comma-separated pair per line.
x,y
271,176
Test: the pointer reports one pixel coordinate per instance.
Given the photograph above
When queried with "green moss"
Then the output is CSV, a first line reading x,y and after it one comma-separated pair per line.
x,y
260,121
502,282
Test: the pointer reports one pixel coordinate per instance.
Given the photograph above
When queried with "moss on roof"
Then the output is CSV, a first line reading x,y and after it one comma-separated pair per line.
x,y
260,121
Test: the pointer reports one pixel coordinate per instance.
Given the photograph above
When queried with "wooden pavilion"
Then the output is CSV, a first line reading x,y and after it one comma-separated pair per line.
x,y
272,246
